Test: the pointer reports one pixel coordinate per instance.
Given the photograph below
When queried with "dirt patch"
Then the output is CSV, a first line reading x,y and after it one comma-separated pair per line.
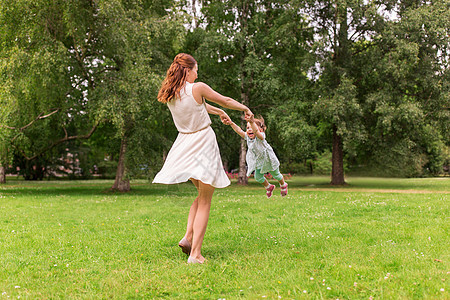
x,y
377,191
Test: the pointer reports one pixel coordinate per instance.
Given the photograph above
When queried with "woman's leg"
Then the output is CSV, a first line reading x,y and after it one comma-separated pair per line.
x,y
205,193
192,213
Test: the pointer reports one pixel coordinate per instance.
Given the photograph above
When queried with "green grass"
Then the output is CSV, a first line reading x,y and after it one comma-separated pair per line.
x,y
379,238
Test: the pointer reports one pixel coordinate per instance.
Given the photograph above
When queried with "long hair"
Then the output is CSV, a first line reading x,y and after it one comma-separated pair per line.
x,y
176,77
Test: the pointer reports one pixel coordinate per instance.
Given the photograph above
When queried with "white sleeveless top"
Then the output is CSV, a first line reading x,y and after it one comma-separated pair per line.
x,y
187,114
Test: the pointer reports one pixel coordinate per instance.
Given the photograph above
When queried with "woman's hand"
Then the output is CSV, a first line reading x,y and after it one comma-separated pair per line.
x,y
248,114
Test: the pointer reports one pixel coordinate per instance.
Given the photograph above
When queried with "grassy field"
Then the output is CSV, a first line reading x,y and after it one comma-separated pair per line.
x,y
372,239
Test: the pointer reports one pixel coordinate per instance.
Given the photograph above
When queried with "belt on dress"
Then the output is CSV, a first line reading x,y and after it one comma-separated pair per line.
x,y
196,130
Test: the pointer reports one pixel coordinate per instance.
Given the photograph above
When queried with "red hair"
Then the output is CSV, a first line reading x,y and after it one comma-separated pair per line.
x,y
176,77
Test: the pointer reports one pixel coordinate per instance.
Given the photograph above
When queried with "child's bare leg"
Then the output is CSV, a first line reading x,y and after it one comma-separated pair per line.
x,y
261,179
282,182
283,185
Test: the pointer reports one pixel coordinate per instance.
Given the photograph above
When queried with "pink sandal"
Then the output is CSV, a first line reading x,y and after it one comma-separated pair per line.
x,y
269,190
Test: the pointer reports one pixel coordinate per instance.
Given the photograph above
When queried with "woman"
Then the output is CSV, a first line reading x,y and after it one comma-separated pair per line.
x,y
195,154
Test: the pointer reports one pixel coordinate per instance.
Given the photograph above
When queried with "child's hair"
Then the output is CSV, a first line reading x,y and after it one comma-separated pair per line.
x,y
259,121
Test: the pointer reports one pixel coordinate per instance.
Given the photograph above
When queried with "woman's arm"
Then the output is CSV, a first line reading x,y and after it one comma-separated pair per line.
x,y
202,90
217,111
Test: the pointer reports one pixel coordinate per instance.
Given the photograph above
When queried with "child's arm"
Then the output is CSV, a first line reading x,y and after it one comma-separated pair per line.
x,y
217,111
255,128
236,128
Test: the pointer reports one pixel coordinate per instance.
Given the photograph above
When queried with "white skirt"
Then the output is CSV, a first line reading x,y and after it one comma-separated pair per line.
x,y
195,155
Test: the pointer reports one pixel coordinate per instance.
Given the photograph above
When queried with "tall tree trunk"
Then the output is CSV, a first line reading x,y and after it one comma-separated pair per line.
x,y
337,160
245,88
122,184
242,177
341,61
2,174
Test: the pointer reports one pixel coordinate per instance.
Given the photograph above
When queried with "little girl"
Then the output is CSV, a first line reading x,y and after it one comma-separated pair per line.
x,y
260,156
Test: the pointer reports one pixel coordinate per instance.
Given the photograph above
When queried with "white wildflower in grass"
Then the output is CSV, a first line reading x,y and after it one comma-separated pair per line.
x,y
304,292
17,287
328,288
442,290
311,278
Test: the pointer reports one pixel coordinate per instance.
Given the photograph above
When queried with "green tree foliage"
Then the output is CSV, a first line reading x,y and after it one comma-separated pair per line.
x,y
404,76
368,80
36,88
380,86
69,65
128,93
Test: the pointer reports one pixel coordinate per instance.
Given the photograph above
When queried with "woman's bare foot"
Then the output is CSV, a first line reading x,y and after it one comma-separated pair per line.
x,y
197,260
185,246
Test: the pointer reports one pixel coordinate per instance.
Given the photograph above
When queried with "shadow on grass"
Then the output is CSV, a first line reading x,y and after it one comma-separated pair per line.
x,y
92,188
324,182
146,188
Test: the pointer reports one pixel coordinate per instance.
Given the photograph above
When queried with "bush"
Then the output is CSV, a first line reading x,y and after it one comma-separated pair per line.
x,y
403,160
107,169
320,165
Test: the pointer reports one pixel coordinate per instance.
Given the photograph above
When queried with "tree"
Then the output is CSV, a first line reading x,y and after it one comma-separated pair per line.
x,y
139,47
408,94
36,85
339,25
90,62
375,72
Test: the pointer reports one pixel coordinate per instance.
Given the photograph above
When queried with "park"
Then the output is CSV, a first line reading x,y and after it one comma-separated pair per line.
x,y
316,134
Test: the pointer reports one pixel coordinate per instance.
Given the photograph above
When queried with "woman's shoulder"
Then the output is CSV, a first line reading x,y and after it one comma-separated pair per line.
x,y
200,85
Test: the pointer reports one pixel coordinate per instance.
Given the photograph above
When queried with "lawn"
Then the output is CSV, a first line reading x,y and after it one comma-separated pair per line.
x,y
372,239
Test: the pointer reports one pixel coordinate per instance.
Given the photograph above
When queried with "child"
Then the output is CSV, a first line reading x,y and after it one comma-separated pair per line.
x,y
260,156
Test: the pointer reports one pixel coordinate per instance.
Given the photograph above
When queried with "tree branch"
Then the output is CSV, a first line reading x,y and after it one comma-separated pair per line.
x,y
60,141
40,117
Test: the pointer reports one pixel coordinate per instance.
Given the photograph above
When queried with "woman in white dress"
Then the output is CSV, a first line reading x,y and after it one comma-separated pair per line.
x,y
195,154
